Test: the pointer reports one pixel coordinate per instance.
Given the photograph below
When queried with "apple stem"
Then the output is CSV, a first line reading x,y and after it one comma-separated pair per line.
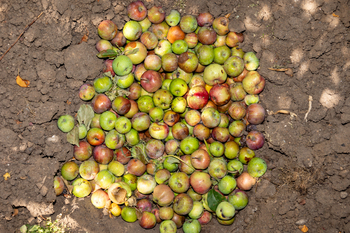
x,y
180,160
206,145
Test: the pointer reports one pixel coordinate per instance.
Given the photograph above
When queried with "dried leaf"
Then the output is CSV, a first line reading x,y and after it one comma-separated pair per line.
x,y
69,187
304,228
73,136
172,160
109,53
84,39
22,82
334,15
280,69
15,212
85,115
6,176
139,152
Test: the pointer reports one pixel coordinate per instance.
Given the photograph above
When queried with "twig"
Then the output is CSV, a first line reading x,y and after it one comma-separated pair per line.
x,y
292,114
25,29
310,106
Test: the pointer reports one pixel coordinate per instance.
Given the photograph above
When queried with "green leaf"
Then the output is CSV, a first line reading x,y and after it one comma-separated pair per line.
x,y
172,160
108,74
85,115
214,199
130,52
73,136
109,53
139,152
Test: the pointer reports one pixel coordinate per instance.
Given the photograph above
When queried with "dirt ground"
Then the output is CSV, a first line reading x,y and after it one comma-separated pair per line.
x,y
308,178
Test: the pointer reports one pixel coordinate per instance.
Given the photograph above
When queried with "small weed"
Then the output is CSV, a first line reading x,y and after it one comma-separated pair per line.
x,y
49,227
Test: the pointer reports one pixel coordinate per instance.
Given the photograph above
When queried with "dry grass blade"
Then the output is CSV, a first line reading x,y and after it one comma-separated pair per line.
x,y
292,114
25,29
287,71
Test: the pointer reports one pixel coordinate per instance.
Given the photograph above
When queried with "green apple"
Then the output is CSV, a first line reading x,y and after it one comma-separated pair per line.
x,y
251,62
102,84
123,125
65,123
107,120
122,65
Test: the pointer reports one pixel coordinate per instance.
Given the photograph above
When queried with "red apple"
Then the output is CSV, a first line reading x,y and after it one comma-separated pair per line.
x,y
151,81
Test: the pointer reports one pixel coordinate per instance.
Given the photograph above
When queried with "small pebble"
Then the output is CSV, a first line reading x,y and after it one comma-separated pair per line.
x,y
343,195
301,222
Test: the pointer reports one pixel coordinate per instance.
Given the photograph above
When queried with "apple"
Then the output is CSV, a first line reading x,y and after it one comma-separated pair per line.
x,y
225,210
191,40
178,87
200,159
156,14
171,118
216,149
159,130
227,184
234,66
193,117
137,11
162,98
145,103
179,182
251,62
217,168
188,23
132,30
167,226
205,55
207,35
179,104
245,155
119,40
197,210
214,74
151,80
173,18
70,170
83,151
205,19
256,167
231,150
220,94
81,187
200,182
169,62
87,91
220,25
239,199
136,51
145,24
107,30
65,123
95,136
163,47
188,62
182,204
210,117
179,47
122,65
221,54
233,38
189,145
140,121
149,39
253,83
197,97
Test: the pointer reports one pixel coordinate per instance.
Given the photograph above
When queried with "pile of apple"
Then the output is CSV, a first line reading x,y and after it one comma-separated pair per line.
x,y
170,135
